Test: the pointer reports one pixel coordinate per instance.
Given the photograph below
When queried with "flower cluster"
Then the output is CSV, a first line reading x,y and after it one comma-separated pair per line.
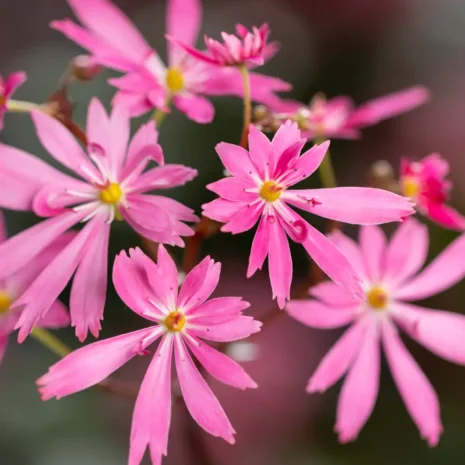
x,y
110,177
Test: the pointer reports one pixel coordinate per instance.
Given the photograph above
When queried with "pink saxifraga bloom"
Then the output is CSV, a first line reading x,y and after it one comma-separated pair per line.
x,y
113,186
338,118
114,42
14,284
391,280
250,49
181,320
258,190
8,87
424,182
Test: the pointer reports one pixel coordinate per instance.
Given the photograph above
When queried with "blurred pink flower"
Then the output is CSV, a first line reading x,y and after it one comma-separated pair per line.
x,y
249,49
338,118
259,188
114,41
113,187
424,182
390,280
8,87
13,284
151,290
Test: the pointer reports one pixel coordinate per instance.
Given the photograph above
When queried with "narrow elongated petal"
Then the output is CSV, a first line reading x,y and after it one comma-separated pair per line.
x,y
354,205
22,176
175,208
88,293
152,413
351,250
360,389
61,145
234,189
17,251
417,392
236,160
407,251
200,400
444,271
446,216
13,81
260,246
317,315
373,246
183,21
220,366
245,219
196,107
163,177
52,280
337,361
56,317
199,284
222,210
217,310
261,151
106,20
90,364
279,263
332,295
232,330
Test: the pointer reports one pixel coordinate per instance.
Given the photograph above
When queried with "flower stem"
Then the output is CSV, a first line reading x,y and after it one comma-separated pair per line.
x,y
22,107
247,105
159,115
49,340
326,172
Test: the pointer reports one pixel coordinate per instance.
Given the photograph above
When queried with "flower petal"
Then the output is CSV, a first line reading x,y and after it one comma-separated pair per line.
x,y
337,361
236,160
444,271
354,205
152,413
360,388
89,289
260,245
351,250
407,251
3,232
373,246
261,151
163,177
219,365
222,210
200,400
415,389
91,364
196,107
332,295
234,189
317,315
245,219
218,310
446,216
56,317
231,330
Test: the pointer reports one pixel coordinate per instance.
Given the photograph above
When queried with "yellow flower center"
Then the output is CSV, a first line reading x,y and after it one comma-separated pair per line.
x,y
174,80
270,191
5,301
377,298
175,321
410,187
111,194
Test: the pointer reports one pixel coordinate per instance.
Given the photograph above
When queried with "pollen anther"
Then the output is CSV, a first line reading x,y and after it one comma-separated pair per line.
x,y
270,191
5,301
174,80
175,321
377,298
111,194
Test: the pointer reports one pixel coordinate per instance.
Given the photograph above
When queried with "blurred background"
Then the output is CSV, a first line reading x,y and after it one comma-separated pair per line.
x,y
356,47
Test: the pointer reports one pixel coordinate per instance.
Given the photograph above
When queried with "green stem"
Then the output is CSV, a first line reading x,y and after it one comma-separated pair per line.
x,y
50,341
22,107
326,169
159,115
247,105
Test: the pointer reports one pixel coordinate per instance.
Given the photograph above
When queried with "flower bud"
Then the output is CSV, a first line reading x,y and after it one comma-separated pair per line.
x,y
85,68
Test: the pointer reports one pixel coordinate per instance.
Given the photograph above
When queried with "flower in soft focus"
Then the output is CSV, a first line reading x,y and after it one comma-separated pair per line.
x,y
85,68
113,186
391,280
250,49
114,42
259,190
339,118
8,87
12,286
424,182
181,321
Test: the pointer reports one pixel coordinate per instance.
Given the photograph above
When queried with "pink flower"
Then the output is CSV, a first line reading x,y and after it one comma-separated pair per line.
x,y
113,186
338,118
8,87
114,42
12,286
259,190
424,182
391,280
249,49
181,321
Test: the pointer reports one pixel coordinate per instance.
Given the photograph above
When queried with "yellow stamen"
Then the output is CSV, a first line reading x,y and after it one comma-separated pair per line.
x,y
111,194
410,187
175,321
270,191
377,298
5,301
174,80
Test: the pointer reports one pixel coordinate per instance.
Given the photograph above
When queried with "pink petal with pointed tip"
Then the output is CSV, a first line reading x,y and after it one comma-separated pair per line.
x,y
236,160
373,246
13,81
245,219
196,107
446,216
332,295
217,310
222,210
163,177
56,317
260,245
231,330
234,189
261,151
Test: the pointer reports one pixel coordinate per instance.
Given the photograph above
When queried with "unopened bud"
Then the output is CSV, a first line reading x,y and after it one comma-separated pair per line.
x,y
85,68
382,176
